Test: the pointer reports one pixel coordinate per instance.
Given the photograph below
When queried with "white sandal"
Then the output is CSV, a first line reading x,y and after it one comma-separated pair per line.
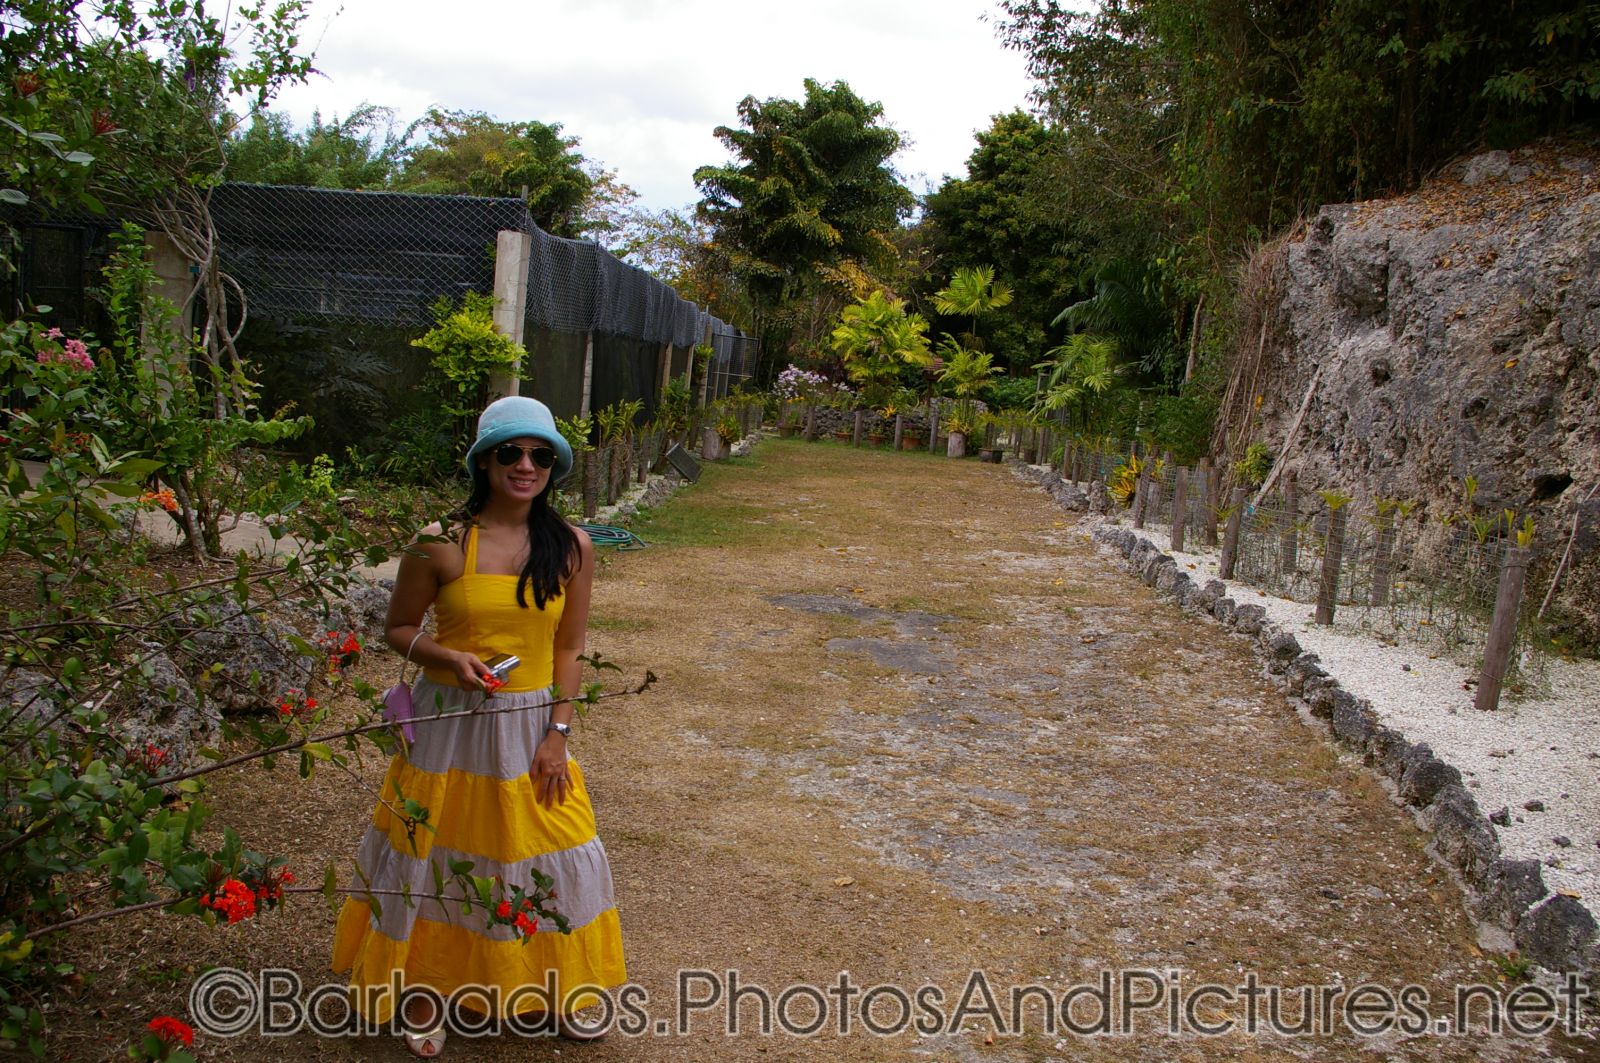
x,y
426,1045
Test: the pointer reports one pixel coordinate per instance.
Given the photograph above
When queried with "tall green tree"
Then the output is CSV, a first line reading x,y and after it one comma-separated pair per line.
x,y
129,104
470,153
109,100
1190,126
808,202
996,216
362,150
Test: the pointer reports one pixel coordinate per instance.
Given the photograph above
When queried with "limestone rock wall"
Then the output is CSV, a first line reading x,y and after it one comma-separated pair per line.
x,y
1458,331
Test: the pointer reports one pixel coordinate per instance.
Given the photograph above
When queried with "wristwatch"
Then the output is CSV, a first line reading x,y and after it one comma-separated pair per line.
x,y
562,729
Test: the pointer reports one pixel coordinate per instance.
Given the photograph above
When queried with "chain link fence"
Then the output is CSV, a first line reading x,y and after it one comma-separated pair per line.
x,y
351,277
1430,584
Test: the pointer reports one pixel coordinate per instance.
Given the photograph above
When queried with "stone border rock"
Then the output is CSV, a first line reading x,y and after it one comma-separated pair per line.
x,y
1557,932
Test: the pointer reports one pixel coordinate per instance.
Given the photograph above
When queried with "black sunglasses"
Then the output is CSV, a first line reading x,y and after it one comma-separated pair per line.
x,y
511,453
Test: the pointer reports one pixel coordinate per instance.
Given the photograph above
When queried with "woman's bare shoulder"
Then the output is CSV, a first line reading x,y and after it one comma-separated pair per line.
x,y
440,540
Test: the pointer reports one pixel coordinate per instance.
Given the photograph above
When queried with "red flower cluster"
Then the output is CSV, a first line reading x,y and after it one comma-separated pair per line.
x,y
269,893
100,123
525,924
295,703
27,83
171,1030
163,498
233,898
152,758
342,647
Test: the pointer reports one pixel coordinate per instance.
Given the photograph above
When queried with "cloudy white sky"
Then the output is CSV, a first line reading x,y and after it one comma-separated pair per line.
x,y
643,82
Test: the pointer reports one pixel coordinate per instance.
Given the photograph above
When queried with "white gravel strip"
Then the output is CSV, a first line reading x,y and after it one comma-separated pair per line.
x,y
1542,750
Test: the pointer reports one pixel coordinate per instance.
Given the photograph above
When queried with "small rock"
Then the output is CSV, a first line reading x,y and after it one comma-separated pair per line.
x,y
1405,668
1331,894
1501,752
1562,841
1501,817
1534,805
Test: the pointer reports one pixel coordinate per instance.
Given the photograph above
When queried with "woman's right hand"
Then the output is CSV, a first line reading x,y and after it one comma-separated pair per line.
x,y
469,670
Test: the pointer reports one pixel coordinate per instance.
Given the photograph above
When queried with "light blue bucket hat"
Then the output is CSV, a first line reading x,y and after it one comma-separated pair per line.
x,y
513,417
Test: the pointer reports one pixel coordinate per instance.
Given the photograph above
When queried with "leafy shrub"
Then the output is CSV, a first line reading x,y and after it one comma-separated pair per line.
x,y
1012,393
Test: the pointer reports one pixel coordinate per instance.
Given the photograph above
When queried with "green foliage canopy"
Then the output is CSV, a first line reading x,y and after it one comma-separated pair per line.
x,y
470,153
998,216
810,189
360,151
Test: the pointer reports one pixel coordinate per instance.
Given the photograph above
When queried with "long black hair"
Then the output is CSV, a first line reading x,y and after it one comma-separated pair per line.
x,y
552,544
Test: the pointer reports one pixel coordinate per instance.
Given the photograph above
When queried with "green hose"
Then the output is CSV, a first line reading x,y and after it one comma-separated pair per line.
x,y
607,535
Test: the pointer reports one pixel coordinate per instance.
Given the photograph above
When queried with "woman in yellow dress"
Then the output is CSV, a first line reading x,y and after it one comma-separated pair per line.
x,y
501,788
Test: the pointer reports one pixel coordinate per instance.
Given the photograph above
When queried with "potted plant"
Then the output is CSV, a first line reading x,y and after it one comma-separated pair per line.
x,y
842,401
720,437
958,424
966,373
992,450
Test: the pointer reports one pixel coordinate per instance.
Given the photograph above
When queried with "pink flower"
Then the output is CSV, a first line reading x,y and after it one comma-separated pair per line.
x,y
53,334
74,352
77,353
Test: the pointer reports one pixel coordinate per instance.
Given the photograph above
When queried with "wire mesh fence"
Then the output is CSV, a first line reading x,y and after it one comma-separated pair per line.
x,y
1400,580
311,256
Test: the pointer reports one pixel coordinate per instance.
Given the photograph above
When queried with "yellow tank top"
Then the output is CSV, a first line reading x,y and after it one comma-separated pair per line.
x,y
478,613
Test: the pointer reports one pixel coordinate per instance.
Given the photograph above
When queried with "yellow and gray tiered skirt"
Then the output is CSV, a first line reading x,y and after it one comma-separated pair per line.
x,y
472,772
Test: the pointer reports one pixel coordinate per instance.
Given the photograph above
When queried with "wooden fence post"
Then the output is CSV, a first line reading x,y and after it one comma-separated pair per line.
x,y
811,422
1289,529
1382,557
899,429
1180,506
1141,495
1332,557
933,426
1503,628
591,483
855,436
1207,505
1230,535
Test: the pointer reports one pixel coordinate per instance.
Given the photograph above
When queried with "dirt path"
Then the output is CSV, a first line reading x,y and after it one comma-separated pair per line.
x,y
911,725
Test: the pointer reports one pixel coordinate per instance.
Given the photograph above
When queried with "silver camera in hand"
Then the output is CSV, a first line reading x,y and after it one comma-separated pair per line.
x,y
500,665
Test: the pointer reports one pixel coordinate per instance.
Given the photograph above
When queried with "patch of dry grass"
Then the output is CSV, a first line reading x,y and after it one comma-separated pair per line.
x,y
1108,821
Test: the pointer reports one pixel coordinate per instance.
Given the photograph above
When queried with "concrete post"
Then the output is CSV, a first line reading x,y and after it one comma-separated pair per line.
x,y
512,251
174,281
588,373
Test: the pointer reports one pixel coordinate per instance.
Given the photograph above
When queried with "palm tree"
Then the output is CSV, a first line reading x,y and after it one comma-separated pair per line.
x,y
966,373
1127,308
1082,370
876,339
972,292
